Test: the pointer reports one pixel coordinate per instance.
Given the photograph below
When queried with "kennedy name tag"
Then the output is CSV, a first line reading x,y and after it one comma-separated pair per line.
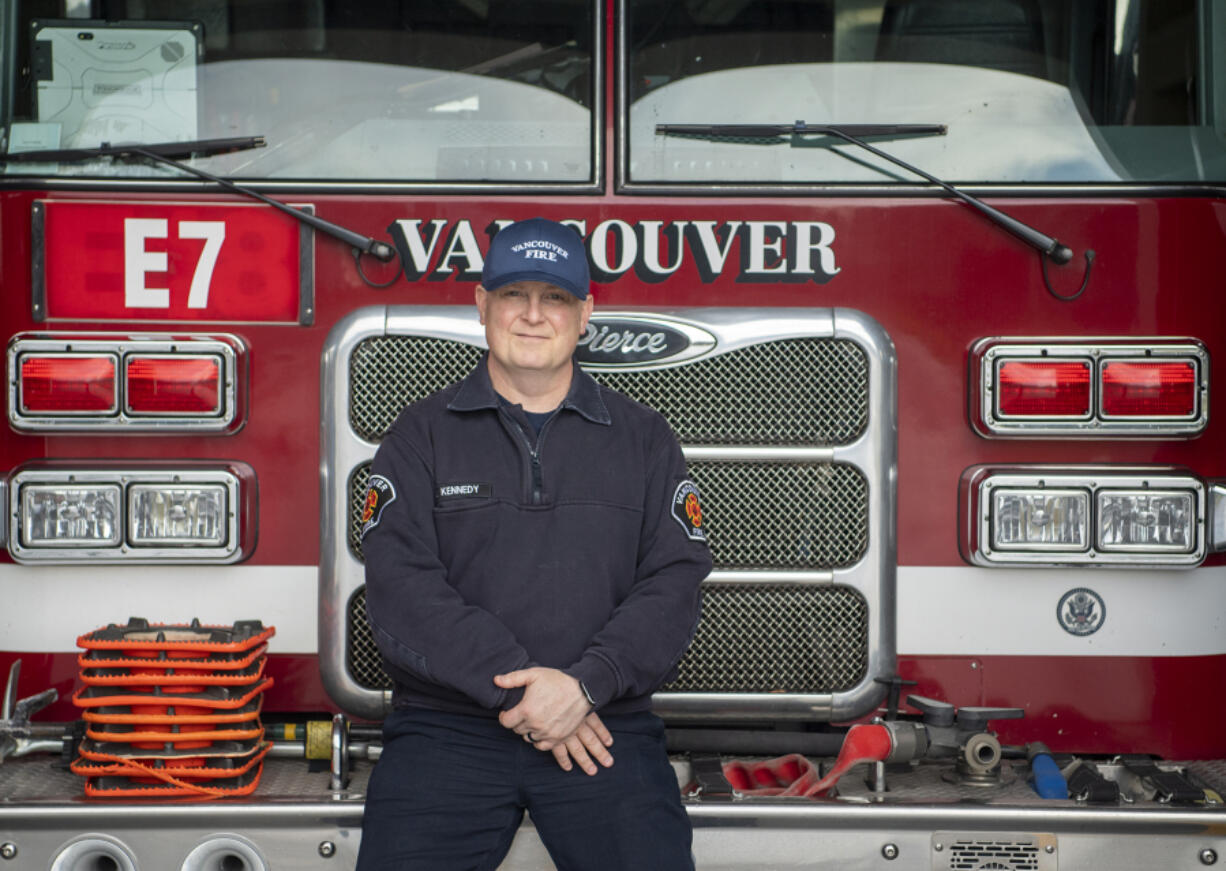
x,y
464,491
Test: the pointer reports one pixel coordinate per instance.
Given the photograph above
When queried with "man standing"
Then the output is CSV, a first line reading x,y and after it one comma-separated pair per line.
x,y
533,557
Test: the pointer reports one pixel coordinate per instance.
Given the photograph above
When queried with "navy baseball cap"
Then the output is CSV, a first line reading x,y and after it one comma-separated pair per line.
x,y
537,250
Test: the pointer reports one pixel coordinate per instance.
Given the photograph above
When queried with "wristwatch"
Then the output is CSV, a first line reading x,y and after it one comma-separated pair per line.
x,y
587,694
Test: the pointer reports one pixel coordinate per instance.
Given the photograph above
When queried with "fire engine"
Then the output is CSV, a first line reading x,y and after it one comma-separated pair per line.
x,y
931,292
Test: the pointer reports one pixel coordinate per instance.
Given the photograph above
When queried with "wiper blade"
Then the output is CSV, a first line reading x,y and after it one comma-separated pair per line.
x,y
173,150
1044,244
800,128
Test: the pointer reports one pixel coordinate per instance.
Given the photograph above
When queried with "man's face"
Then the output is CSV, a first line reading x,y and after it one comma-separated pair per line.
x,y
532,326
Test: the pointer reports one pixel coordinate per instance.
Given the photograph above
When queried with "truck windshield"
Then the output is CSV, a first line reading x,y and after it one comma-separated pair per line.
x,y
1032,91
416,90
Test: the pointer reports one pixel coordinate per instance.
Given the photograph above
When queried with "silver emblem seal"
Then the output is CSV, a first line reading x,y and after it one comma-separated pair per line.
x,y
1081,611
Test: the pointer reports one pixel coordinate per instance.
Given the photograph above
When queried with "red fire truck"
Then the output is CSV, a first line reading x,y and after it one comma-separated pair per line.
x,y
930,290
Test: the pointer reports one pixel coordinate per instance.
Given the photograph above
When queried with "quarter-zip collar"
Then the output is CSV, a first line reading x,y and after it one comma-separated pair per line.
x,y
477,392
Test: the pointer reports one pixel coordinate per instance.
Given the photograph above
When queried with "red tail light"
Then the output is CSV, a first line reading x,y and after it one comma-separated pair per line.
x,y
1042,388
173,385
1149,389
68,384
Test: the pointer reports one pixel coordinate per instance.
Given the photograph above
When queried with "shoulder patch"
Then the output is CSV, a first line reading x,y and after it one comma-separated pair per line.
x,y
687,510
379,495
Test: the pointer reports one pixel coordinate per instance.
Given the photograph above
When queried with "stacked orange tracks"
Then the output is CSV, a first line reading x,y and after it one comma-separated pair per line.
x,y
171,709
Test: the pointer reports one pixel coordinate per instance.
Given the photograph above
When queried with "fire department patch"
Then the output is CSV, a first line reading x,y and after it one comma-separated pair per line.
x,y
687,510
1081,611
379,495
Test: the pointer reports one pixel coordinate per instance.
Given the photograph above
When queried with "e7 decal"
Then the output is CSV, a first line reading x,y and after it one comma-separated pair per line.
x,y
138,260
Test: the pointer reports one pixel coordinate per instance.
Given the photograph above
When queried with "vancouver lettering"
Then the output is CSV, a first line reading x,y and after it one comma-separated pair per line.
x,y
748,251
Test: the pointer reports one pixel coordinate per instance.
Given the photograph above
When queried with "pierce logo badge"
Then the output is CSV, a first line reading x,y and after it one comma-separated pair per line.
x,y
379,494
687,510
1081,611
613,342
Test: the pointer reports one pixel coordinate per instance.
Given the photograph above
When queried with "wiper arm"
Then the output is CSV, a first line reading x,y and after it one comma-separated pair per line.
x,y
1044,244
167,152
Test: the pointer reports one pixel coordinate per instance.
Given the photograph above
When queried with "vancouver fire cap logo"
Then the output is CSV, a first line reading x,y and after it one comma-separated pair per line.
x,y
1081,611
687,510
379,495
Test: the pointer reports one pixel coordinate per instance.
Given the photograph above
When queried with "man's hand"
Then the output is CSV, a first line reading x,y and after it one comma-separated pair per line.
x,y
589,742
552,709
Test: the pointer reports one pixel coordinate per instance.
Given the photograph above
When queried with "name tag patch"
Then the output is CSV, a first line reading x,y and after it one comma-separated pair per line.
x,y
464,491
687,510
379,494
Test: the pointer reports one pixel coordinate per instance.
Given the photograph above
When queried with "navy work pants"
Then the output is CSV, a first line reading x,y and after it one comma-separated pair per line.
x,y
449,792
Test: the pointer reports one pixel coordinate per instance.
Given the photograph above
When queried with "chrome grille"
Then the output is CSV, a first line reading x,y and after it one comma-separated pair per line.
x,y
386,373
810,391
776,638
358,482
783,515
362,659
788,429
753,638
757,515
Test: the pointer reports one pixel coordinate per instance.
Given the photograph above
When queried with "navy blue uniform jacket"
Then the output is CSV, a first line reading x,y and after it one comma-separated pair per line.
x,y
486,553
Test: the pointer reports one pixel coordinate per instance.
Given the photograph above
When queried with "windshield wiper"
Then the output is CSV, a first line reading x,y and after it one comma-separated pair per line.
x,y
1046,245
173,150
769,131
169,154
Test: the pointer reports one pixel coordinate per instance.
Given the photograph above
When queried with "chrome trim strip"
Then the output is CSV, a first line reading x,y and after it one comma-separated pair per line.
x,y
124,551
345,808
991,353
340,450
746,576
229,349
1217,515
919,190
1092,480
874,453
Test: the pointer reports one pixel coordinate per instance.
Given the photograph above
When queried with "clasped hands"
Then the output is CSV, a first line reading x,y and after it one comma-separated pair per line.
x,y
554,715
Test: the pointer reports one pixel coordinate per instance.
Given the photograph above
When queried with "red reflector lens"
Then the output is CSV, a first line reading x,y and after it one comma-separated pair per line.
x,y
1044,389
173,385
1166,389
67,384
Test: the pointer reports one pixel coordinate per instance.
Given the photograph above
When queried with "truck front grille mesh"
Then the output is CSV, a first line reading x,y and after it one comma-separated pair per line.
x,y
760,514
806,391
753,638
780,516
